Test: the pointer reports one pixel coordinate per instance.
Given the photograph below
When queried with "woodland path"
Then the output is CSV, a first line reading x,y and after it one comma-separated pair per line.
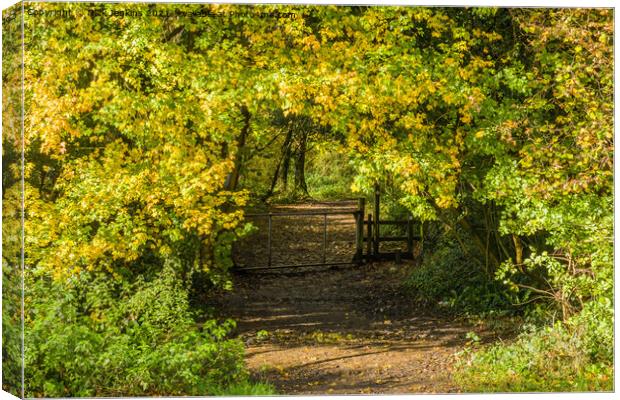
x,y
342,331
345,330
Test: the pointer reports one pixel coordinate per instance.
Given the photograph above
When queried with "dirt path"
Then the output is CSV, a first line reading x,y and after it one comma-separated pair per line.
x,y
349,330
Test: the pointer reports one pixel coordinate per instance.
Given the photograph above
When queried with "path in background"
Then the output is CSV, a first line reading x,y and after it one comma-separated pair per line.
x,y
298,239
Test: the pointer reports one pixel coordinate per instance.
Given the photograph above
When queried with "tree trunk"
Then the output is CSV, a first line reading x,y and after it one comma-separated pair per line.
x,y
233,179
284,158
300,166
518,249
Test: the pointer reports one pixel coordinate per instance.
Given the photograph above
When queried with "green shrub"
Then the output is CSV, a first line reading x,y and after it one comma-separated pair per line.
x,y
97,336
551,359
11,290
11,328
594,327
449,278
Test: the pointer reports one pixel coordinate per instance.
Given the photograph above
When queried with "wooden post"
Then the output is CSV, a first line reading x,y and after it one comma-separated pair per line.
x,y
377,218
359,230
422,232
410,235
369,241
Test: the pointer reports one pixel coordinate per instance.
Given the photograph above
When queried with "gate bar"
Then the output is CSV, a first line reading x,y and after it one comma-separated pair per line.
x,y
330,264
410,234
269,243
324,236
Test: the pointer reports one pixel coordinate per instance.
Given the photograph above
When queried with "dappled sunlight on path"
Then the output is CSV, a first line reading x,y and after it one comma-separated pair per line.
x,y
345,330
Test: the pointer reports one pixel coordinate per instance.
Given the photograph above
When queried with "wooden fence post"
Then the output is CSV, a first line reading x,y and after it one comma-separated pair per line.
x,y
377,233
369,240
359,230
410,235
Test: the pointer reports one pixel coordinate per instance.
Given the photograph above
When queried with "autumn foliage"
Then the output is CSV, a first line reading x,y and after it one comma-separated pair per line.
x,y
145,136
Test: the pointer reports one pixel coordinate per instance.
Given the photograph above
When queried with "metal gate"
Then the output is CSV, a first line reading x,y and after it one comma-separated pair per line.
x,y
320,237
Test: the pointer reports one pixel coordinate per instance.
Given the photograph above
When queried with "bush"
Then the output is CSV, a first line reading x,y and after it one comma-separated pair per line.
x,y
550,359
11,290
11,328
449,278
97,336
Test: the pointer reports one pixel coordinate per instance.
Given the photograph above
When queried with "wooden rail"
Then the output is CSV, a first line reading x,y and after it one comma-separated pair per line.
x,y
373,237
297,265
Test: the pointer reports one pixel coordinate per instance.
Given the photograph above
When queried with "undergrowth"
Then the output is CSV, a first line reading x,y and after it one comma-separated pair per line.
x,y
127,339
544,352
453,281
550,359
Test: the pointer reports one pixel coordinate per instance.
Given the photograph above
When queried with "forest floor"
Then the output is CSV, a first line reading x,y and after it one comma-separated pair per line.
x,y
340,330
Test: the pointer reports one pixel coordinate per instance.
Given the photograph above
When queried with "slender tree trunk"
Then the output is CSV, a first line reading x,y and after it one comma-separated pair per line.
x,y
285,158
300,166
518,249
274,181
285,168
233,179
